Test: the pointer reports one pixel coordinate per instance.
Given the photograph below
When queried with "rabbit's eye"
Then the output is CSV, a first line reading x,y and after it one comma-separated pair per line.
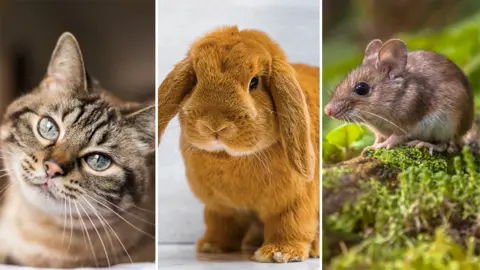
x,y
361,89
253,83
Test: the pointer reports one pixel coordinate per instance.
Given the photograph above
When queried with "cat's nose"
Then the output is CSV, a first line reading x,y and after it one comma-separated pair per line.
x,y
53,169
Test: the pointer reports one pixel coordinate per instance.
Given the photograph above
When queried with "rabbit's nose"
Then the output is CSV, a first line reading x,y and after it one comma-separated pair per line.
x,y
215,127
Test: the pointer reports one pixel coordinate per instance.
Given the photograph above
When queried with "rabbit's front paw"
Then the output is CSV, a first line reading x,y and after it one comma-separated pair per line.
x,y
315,249
207,245
281,253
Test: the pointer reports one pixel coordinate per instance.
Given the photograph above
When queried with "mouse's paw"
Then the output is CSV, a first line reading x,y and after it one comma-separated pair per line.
x,y
282,253
455,147
430,146
389,143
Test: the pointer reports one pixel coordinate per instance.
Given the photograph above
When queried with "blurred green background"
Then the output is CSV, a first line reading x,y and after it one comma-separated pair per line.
x,y
450,27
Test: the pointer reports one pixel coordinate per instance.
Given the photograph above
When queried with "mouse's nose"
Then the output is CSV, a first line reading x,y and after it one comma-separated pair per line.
x,y
53,169
329,109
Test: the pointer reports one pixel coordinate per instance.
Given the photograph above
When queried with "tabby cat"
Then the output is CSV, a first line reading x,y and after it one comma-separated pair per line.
x,y
80,188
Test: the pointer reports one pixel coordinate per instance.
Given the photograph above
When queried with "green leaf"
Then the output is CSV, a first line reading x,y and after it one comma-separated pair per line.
x,y
331,153
345,135
367,139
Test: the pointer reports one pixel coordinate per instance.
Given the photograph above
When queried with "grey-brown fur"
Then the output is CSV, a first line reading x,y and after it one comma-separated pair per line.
x,y
429,90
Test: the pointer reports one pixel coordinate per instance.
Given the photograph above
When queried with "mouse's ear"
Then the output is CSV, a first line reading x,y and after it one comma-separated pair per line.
x,y
392,58
371,52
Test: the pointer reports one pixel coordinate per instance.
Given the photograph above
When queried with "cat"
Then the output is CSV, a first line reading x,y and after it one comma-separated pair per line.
x,y
80,166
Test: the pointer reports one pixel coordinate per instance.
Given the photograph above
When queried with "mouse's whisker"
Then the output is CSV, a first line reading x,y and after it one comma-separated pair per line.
x,y
357,116
386,120
354,119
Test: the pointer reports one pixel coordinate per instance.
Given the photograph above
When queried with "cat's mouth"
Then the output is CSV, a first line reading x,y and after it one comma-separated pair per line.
x,y
45,188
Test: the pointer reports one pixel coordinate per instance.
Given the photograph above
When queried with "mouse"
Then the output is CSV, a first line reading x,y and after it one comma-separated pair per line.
x,y
417,98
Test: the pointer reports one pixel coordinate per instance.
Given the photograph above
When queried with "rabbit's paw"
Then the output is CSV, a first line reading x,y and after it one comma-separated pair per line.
x,y
206,245
281,253
315,249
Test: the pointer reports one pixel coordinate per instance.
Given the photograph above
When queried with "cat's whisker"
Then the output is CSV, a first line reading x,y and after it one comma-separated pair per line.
x,y
4,189
6,157
127,212
143,209
5,151
71,222
3,175
86,233
106,229
95,228
122,218
106,222
64,220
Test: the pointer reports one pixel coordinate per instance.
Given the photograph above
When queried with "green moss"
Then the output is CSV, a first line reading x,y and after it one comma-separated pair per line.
x,y
404,157
395,222
438,253
330,177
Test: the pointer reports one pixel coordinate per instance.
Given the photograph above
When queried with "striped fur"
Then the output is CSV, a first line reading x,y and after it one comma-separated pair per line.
x,y
84,217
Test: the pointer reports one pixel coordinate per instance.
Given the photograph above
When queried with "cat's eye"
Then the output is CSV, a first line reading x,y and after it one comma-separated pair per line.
x,y
361,89
48,129
253,83
98,162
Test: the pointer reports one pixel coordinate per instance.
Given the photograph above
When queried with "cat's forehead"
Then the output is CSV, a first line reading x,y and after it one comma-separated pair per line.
x,y
85,106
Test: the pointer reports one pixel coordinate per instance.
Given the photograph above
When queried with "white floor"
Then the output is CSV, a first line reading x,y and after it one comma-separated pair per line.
x,y
184,257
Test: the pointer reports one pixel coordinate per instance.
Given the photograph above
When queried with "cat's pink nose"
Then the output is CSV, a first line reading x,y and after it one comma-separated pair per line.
x,y
53,169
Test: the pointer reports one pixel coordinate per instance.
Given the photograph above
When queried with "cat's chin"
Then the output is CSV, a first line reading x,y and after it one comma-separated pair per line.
x,y
43,199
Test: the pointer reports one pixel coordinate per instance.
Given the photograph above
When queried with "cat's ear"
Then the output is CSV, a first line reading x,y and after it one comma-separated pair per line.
x,y
142,119
66,70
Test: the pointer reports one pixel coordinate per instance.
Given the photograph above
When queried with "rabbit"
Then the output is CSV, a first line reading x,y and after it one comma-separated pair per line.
x,y
250,142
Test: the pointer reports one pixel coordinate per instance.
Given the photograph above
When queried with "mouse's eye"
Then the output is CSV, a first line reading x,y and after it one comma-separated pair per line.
x,y
253,84
361,89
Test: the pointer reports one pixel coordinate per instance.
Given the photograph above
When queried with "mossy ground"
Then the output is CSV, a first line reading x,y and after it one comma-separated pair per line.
x,y
404,157
426,220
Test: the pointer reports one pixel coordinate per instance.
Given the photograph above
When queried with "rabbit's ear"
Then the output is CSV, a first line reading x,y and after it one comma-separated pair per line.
x,y
172,91
293,118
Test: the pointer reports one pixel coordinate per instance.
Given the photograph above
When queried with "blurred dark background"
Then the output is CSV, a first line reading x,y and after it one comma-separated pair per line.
x,y
363,20
117,38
